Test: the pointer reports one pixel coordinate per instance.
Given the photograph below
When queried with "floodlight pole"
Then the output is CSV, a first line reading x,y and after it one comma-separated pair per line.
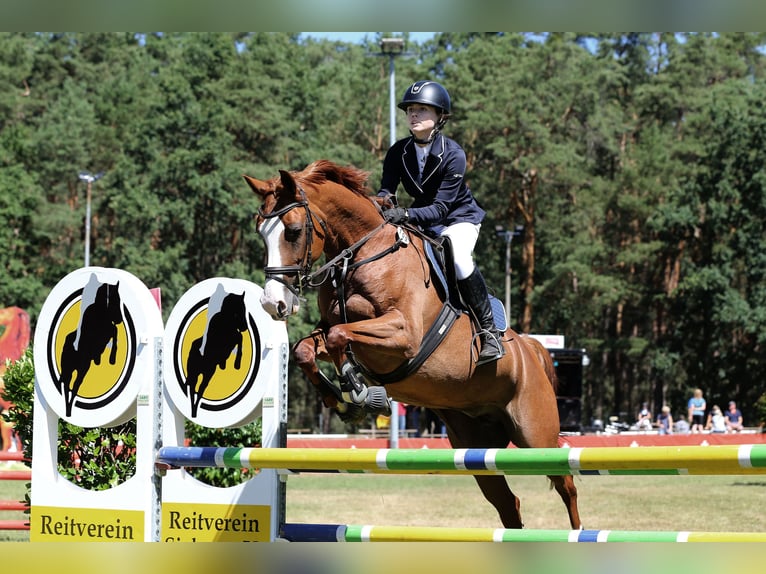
x,y
88,178
392,47
508,236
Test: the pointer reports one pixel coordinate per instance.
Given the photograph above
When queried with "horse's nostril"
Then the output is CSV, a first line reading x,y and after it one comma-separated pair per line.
x,y
281,309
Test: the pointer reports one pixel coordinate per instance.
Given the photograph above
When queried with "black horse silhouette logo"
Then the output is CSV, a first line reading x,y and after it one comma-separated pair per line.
x,y
226,320
100,313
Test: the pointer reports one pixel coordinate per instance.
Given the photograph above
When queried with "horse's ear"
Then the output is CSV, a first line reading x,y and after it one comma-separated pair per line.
x,y
258,186
289,185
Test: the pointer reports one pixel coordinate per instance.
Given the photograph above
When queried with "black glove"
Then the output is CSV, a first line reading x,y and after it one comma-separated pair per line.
x,y
396,215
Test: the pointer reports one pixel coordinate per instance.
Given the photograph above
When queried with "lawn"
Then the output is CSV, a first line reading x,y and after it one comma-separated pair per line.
x,y
697,503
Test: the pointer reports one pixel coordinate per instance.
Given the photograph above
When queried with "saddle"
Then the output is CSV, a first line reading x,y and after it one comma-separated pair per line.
x,y
439,254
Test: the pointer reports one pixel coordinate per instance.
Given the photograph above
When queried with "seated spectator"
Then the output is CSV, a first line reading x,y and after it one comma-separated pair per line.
x,y
681,426
644,419
734,422
716,422
665,421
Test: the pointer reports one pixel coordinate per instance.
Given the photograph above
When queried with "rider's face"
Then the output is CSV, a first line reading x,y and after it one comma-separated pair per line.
x,y
422,119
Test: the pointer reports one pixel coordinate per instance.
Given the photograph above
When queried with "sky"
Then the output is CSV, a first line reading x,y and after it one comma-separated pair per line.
x,y
358,37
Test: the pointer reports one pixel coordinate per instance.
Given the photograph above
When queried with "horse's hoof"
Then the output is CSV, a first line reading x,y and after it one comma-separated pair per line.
x,y
377,401
352,414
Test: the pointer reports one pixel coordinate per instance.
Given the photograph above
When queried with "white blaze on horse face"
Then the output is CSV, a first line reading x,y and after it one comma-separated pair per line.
x,y
277,300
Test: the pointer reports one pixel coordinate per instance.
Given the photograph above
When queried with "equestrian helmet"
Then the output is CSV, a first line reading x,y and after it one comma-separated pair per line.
x,y
428,93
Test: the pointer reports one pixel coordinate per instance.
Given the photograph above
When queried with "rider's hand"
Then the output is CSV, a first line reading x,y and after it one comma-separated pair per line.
x,y
396,215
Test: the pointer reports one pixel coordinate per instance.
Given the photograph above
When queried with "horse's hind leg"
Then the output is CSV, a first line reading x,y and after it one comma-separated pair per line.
x,y
567,490
544,434
468,432
495,489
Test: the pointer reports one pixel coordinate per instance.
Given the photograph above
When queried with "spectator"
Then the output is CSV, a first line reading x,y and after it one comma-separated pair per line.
x,y
734,422
696,409
402,420
413,418
681,426
716,422
644,421
434,425
665,421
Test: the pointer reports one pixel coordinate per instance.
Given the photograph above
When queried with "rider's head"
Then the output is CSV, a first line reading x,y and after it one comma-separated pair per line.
x,y
431,94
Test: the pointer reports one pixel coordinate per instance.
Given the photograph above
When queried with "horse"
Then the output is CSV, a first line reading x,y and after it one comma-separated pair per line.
x,y
100,313
226,320
378,300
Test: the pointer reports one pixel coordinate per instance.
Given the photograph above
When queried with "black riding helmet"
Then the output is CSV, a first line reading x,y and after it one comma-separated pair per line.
x,y
429,93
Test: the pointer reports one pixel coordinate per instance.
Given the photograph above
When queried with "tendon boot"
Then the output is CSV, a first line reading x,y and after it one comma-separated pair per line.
x,y
474,292
373,400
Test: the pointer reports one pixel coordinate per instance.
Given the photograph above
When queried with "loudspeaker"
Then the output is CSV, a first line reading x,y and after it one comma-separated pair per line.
x,y
568,365
570,414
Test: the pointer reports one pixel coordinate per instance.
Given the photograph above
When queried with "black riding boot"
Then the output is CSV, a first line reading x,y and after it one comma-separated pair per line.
x,y
474,292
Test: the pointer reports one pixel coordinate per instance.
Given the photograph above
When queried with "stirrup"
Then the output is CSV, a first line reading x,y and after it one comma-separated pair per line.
x,y
492,348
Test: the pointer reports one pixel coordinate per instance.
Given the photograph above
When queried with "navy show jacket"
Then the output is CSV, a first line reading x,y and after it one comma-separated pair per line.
x,y
442,196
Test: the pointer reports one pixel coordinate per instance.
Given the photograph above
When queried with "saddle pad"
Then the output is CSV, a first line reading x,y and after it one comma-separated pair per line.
x,y
498,313
436,266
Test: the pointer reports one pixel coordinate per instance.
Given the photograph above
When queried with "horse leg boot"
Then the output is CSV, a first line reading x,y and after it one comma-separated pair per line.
x,y
374,400
474,292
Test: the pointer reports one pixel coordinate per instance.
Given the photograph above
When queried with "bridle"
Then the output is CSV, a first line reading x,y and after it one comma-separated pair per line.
x,y
301,271
340,263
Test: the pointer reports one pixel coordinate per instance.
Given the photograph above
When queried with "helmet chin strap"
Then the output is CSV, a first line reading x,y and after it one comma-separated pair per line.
x,y
432,135
426,141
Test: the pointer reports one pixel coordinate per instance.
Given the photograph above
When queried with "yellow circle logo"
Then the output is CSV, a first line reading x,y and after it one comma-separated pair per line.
x,y
91,330
213,353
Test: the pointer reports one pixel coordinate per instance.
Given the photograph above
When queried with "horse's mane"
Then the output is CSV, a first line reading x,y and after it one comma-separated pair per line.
x,y
324,170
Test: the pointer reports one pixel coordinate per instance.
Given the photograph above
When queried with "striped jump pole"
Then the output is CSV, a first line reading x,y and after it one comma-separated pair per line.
x,y
6,455
362,533
13,505
659,460
14,524
15,475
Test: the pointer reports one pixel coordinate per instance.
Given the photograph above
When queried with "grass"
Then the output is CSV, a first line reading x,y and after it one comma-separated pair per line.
x,y
697,503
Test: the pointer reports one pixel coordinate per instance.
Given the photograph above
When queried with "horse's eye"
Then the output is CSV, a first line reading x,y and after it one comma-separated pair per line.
x,y
293,232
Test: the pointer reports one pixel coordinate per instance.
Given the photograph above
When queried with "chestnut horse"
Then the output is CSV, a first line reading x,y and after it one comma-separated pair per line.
x,y
377,299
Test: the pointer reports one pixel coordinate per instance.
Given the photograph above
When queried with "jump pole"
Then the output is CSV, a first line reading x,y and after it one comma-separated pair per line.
x,y
368,533
661,460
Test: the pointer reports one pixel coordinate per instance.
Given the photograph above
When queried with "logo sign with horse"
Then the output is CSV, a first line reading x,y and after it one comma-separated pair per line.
x,y
94,328
213,353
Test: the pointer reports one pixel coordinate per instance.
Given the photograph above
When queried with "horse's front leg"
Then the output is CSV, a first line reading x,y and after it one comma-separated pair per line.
x,y
306,352
389,335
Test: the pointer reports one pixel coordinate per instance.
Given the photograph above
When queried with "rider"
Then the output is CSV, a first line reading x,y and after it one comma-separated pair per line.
x,y
431,167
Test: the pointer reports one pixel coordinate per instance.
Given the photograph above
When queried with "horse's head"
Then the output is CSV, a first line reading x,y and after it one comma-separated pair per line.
x,y
293,242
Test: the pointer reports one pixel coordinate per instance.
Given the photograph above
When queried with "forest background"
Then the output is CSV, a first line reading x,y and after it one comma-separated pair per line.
x,y
634,162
